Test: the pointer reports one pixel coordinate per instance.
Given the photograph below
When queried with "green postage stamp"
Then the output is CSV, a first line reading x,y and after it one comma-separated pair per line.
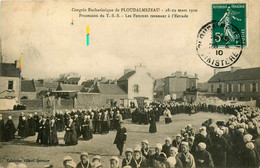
x,y
230,25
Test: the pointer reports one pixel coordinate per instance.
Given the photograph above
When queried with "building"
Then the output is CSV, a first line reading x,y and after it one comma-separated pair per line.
x,y
102,95
138,84
236,84
10,85
159,89
67,91
111,94
71,78
28,90
177,83
43,87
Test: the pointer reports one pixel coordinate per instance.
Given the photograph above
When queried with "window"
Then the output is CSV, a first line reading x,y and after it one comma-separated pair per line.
x,y
136,88
10,85
219,90
241,87
229,88
121,102
212,88
253,87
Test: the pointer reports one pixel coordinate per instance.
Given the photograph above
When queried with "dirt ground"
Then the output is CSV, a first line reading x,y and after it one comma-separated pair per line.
x,y
38,155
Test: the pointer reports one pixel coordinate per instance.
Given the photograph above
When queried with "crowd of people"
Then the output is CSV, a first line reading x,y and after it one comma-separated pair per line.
x,y
75,123
232,143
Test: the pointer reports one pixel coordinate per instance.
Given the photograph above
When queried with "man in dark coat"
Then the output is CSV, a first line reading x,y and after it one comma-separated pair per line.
x,y
203,157
9,129
2,128
31,125
120,138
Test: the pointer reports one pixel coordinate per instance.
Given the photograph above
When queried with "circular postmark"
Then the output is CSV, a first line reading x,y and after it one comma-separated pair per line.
x,y
218,45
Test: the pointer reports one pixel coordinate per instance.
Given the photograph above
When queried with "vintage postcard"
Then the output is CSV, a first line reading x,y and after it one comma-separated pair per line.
x,y
129,84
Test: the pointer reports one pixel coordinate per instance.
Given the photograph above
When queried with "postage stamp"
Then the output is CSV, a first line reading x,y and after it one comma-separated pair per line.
x,y
220,42
229,16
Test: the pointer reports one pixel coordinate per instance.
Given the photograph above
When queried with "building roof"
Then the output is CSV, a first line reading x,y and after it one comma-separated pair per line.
x,y
88,83
27,86
9,70
69,87
126,76
92,89
238,75
244,74
49,85
73,79
219,77
110,89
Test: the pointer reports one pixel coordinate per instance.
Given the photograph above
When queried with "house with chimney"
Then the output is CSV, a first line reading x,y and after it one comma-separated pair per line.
x,y
177,83
138,84
237,84
10,85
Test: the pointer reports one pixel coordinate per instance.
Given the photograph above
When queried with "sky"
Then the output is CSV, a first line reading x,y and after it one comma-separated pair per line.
x,y
42,33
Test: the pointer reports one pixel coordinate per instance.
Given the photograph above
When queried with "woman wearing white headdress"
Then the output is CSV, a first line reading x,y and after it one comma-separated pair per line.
x,y
22,128
185,156
173,161
9,129
70,137
167,115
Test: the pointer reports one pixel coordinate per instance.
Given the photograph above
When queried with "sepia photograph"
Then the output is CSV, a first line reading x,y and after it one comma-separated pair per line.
x,y
129,84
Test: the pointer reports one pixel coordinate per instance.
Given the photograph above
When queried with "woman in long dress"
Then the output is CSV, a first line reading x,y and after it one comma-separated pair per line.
x,y
22,128
86,128
53,134
31,125
9,129
70,136
152,128
168,116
